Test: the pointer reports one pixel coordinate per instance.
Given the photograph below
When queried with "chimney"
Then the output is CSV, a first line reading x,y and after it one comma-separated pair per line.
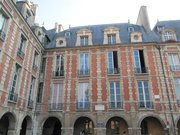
x,y
59,28
143,19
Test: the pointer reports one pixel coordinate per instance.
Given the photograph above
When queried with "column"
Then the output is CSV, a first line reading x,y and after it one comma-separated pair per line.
x,y
67,130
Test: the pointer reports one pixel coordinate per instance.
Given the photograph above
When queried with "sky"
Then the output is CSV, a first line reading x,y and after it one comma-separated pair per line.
x,y
91,12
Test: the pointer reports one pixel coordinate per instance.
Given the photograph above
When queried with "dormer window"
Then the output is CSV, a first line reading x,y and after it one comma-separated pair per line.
x,y
136,37
130,29
84,40
60,42
168,35
111,36
84,37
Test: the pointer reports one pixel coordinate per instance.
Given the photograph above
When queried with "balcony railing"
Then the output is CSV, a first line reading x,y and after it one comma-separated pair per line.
x,y
116,105
30,104
20,53
2,35
83,106
113,70
146,105
13,97
55,106
83,72
142,70
58,73
175,67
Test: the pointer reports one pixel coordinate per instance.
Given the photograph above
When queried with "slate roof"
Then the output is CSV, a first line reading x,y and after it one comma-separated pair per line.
x,y
98,35
171,24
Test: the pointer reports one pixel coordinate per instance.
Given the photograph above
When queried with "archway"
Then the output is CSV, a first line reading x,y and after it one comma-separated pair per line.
x,y
116,126
26,127
52,126
151,126
84,124
7,124
178,126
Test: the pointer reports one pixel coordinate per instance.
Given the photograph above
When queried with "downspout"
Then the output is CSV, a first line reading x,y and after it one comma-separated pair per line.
x,y
167,91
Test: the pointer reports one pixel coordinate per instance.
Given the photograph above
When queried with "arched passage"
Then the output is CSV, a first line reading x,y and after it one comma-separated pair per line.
x,y
26,127
84,124
116,126
151,126
7,124
178,126
52,126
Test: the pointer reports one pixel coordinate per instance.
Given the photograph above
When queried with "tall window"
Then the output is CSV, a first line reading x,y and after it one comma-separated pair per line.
x,y
83,96
35,61
43,65
21,48
14,85
111,38
84,64
113,63
139,62
31,92
2,21
168,35
59,69
115,96
177,87
144,95
56,97
40,92
84,40
174,61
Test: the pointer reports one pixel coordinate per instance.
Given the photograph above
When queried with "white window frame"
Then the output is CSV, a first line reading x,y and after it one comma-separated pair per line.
x,y
84,63
175,65
59,65
111,38
168,35
116,101
84,40
83,97
56,98
144,101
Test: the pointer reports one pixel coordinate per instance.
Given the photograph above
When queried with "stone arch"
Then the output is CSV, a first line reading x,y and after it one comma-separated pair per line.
x,y
116,125
151,124
7,123
151,115
26,126
177,124
52,126
84,124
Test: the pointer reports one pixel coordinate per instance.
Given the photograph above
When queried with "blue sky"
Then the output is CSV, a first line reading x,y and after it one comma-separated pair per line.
x,y
90,12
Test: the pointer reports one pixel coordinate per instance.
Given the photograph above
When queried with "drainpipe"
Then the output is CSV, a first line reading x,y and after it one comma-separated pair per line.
x,y
167,91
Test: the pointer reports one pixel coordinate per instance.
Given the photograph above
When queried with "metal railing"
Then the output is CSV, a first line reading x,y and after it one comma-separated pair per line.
x,y
83,72
55,106
116,105
141,70
146,104
175,67
113,70
13,96
58,73
83,106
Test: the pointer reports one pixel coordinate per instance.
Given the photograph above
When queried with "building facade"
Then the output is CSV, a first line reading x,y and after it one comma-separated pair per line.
x,y
111,79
